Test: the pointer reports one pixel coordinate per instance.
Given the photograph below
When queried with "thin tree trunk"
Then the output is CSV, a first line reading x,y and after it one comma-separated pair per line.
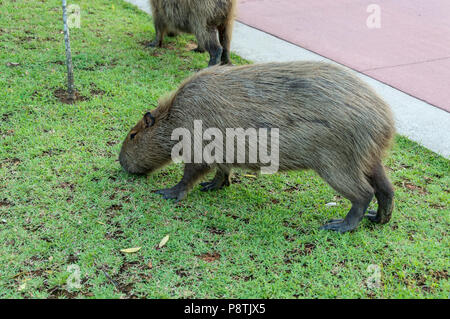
x,y
70,84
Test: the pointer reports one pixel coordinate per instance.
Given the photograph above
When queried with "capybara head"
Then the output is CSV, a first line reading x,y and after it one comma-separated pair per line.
x,y
142,150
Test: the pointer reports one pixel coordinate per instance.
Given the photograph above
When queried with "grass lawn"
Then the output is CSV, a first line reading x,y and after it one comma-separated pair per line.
x,y
67,208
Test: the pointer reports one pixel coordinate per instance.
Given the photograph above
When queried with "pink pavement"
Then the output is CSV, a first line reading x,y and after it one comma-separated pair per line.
x,y
411,50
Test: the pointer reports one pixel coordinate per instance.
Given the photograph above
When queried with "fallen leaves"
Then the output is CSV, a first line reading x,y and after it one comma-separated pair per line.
x,y
12,64
163,242
130,250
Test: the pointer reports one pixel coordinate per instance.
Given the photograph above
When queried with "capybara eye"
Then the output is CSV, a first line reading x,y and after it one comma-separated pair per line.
x,y
132,135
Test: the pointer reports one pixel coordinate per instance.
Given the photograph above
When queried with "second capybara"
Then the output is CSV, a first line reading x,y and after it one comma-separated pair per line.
x,y
211,21
327,120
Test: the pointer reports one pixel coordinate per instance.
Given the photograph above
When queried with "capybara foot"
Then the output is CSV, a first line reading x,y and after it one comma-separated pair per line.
x,y
153,44
339,225
176,192
373,216
213,185
198,50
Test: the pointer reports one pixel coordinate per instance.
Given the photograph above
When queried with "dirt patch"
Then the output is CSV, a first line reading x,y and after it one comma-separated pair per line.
x,y
290,225
440,275
51,152
243,278
275,201
244,220
182,272
5,117
289,237
67,185
5,203
97,65
10,162
209,257
216,231
438,206
63,97
115,207
58,292
412,187
117,234
292,255
72,259
95,91
292,188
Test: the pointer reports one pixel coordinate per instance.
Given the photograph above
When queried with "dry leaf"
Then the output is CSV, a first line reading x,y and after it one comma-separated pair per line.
x,y
23,286
248,175
163,241
150,265
131,250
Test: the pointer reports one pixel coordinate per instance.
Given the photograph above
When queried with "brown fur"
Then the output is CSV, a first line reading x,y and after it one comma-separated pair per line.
x,y
203,18
329,121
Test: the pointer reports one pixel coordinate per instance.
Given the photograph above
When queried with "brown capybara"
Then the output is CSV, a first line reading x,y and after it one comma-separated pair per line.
x,y
203,18
327,118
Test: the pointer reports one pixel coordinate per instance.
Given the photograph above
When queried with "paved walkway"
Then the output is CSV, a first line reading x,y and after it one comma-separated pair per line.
x,y
409,51
415,118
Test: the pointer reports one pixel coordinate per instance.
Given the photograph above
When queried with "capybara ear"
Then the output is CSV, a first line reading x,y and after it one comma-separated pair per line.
x,y
149,119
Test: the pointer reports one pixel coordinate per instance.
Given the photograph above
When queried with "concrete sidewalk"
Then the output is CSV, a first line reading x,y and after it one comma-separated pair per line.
x,y
419,121
409,48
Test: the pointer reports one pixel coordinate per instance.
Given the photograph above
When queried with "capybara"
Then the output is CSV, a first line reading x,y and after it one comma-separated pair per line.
x,y
328,120
203,18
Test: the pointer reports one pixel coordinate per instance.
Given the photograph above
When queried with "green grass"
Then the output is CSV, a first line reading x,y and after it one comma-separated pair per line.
x,y
64,199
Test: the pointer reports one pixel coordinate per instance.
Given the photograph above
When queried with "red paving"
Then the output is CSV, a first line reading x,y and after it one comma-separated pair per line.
x,y
411,50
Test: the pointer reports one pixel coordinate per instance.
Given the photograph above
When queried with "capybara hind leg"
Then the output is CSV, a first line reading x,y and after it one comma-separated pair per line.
x,y
384,193
353,186
220,180
198,49
192,172
208,39
160,30
353,218
225,39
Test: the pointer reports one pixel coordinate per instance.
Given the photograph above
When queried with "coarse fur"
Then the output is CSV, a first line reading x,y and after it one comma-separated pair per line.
x,y
211,21
329,121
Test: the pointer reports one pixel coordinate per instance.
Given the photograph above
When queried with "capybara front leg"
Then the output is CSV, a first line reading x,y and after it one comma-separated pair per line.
x,y
208,39
384,192
220,180
192,172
